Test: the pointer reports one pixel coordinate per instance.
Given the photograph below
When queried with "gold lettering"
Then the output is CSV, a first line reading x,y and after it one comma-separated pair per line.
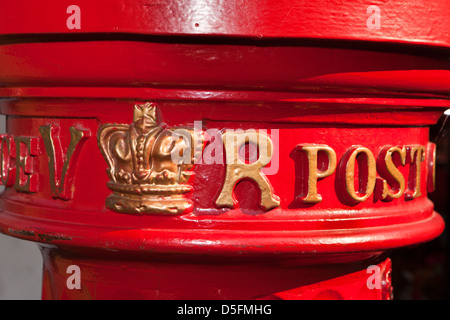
x,y
313,171
26,150
415,156
367,174
237,170
387,168
61,188
7,171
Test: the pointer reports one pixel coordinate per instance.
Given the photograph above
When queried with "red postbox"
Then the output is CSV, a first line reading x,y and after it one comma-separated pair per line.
x,y
220,149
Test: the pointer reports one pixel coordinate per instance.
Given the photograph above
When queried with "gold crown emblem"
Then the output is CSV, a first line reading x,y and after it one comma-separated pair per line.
x,y
149,164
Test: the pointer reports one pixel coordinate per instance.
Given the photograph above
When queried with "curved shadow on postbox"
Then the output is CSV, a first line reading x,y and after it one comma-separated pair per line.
x,y
248,196
208,181
209,177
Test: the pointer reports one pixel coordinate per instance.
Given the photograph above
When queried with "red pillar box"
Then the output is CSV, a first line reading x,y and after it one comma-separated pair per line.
x,y
220,150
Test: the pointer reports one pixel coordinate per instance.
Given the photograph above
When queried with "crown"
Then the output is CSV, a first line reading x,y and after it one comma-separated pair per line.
x,y
149,164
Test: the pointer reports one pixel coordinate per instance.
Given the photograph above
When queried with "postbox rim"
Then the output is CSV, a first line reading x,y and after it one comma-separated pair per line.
x,y
419,22
279,243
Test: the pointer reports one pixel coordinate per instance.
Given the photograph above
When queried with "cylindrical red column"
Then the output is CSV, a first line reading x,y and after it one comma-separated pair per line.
x,y
220,150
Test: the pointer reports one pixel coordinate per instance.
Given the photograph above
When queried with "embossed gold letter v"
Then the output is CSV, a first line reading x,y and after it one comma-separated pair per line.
x,y
60,166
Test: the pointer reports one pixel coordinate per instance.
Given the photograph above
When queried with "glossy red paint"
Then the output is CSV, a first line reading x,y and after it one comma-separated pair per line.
x,y
304,73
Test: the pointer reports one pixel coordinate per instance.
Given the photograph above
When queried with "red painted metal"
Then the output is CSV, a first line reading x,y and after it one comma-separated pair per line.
x,y
306,73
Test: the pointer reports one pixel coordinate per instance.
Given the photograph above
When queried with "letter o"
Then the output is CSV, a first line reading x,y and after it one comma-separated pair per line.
x,y
365,189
